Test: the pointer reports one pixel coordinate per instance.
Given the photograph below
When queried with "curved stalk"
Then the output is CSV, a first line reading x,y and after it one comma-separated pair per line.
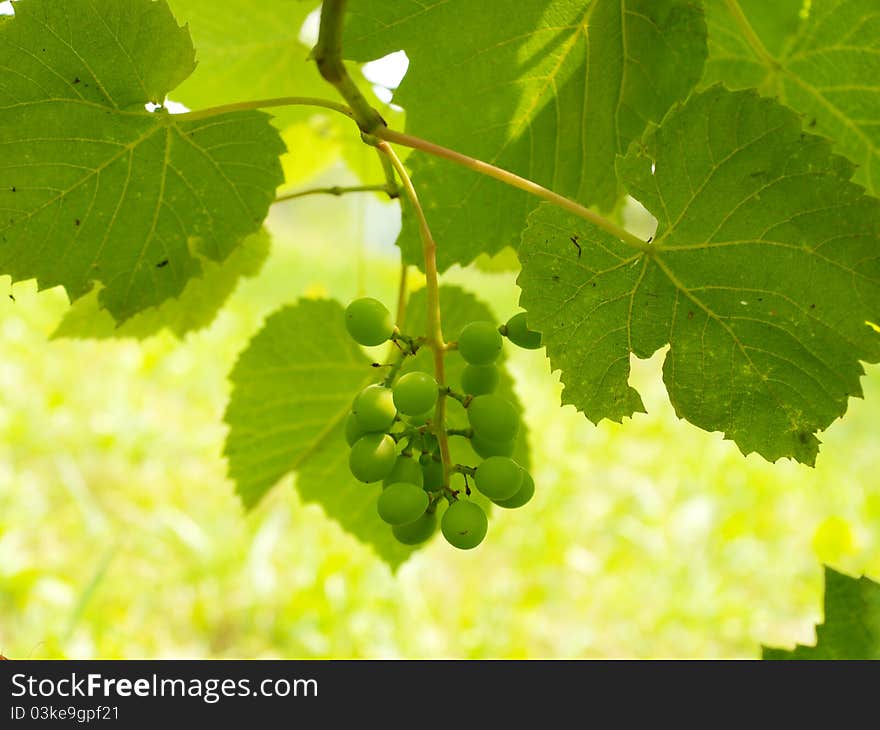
x,y
510,178
435,330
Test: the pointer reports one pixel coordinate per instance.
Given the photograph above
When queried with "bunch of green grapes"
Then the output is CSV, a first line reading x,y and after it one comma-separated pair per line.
x,y
395,436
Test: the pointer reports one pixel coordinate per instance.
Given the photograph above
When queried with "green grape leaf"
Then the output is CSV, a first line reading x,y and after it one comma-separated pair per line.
x,y
550,89
194,309
851,629
292,388
763,278
822,59
96,190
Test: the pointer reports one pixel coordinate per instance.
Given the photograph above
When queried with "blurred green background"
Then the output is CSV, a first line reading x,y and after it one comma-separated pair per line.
x,y
120,535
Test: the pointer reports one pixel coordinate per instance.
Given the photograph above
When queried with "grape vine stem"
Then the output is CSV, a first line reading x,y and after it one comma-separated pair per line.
x,y
383,133
510,178
435,329
339,191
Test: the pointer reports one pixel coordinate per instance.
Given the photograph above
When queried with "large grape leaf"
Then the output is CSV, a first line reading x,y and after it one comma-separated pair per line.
x,y
93,188
551,89
822,59
293,387
763,277
194,309
851,629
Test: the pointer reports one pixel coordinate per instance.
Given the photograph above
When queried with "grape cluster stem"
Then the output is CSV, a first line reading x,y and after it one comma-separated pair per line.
x,y
434,337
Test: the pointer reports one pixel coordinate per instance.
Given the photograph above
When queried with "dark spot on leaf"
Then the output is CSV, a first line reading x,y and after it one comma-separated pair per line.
x,y
650,238
803,437
594,285
812,306
13,299
574,240
813,122
76,222
162,264
758,173
690,315
772,312
13,188
76,80
555,277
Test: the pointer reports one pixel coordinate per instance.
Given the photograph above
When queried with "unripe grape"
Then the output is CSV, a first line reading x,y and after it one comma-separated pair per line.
x,y
368,321
464,525
525,492
405,469
402,503
352,430
415,393
480,343
519,334
372,457
499,477
374,408
493,418
486,448
432,473
416,532
479,379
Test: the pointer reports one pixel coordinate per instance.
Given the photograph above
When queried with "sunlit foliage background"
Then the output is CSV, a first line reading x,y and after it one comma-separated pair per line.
x,y
120,535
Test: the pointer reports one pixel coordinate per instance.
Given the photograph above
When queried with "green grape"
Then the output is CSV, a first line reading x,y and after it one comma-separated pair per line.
x,y
493,418
464,525
480,343
525,492
374,408
486,448
519,334
372,457
432,473
415,393
402,503
368,321
499,477
352,430
479,379
405,469
413,533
